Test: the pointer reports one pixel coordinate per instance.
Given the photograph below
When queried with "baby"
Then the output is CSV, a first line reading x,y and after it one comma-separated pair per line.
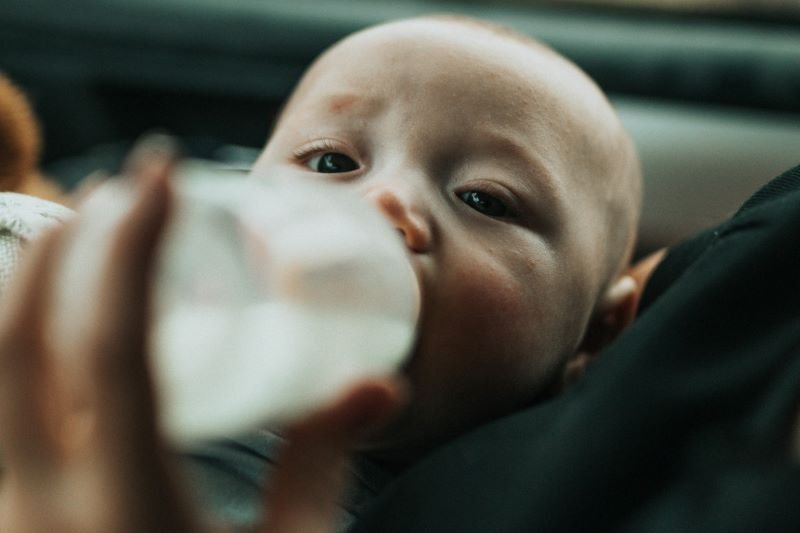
x,y
517,193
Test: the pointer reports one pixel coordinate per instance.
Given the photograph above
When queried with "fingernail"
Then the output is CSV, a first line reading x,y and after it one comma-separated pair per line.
x,y
151,152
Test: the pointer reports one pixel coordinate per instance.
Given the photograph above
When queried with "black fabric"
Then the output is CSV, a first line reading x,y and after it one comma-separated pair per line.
x,y
682,425
784,184
683,255
673,265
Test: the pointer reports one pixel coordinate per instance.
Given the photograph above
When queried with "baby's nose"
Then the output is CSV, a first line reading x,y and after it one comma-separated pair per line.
x,y
399,210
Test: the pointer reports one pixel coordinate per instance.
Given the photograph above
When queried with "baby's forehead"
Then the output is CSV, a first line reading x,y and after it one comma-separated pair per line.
x,y
444,71
427,54
474,66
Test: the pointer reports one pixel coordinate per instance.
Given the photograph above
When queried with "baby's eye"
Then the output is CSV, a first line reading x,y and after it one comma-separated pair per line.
x,y
332,163
485,203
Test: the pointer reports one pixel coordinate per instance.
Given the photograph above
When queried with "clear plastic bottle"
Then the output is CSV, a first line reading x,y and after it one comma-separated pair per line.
x,y
272,295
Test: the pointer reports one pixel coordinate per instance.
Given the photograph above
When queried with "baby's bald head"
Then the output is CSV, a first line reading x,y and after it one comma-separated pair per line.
x,y
605,159
513,184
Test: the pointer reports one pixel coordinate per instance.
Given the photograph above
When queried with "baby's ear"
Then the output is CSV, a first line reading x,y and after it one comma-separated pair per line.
x,y
615,311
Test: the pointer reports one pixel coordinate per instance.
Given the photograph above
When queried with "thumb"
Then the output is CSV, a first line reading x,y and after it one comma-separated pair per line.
x,y
311,473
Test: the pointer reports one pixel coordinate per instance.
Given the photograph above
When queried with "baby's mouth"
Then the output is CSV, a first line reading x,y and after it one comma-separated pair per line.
x,y
413,353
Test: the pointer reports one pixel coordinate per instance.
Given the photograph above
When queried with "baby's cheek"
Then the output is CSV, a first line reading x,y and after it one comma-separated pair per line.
x,y
481,349
490,307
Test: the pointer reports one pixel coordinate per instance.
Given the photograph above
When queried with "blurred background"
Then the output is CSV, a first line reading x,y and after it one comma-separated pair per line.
x,y
710,89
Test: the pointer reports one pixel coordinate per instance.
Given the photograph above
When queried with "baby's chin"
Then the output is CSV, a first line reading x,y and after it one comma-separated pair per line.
x,y
413,433
396,445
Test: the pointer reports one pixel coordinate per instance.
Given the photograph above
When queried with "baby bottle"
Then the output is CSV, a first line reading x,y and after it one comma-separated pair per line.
x,y
272,295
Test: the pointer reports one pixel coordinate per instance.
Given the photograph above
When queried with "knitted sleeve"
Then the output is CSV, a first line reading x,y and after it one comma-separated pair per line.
x,y
23,217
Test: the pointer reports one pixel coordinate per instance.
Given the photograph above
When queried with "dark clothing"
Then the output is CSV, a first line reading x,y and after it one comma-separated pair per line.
x,y
686,253
682,425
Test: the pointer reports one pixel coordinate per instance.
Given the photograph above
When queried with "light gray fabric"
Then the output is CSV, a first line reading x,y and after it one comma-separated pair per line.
x,y
22,217
228,478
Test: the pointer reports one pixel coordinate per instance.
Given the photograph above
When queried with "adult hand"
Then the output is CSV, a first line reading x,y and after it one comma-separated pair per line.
x,y
78,431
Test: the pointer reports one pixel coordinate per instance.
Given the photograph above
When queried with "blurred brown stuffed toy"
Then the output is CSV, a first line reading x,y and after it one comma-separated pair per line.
x,y
20,146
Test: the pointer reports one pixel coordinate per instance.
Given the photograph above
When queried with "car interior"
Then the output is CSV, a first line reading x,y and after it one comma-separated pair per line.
x,y
710,90
668,437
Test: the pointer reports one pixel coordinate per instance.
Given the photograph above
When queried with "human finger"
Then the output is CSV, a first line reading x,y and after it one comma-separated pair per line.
x,y
28,396
128,457
119,365
311,473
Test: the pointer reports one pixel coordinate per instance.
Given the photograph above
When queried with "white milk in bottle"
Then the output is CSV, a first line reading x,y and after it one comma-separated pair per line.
x,y
272,295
